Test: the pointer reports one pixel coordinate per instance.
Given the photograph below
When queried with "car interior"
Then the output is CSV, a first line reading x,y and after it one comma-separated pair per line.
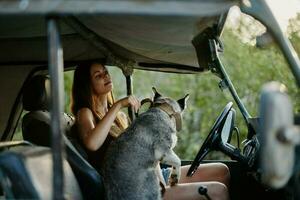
x,y
36,123
181,39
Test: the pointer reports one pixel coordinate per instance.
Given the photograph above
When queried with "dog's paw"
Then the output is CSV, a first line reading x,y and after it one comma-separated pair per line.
x,y
173,180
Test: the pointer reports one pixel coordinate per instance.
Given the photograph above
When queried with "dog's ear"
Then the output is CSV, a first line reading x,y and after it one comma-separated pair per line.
x,y
182,102
156,94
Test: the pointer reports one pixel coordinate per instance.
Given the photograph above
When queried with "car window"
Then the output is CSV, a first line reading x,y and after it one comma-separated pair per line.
x,y
248,67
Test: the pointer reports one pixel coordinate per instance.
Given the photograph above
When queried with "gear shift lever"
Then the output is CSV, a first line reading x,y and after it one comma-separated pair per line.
x,y
202,190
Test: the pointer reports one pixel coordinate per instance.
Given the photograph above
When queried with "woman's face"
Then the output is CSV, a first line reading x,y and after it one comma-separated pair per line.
x,y
100,79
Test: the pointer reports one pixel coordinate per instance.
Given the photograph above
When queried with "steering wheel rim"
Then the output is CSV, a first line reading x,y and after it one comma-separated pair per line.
x,y
209,141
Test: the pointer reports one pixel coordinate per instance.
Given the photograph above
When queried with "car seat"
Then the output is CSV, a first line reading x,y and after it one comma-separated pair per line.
x,y
26,173
36,129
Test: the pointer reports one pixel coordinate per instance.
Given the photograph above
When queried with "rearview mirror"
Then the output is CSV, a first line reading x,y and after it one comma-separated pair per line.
x,y
278,136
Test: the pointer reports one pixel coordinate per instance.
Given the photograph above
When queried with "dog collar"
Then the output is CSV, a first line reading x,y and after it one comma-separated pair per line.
x,y
171,112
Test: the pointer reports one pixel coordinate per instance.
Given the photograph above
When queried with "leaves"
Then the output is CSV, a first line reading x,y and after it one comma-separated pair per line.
x,y
248,67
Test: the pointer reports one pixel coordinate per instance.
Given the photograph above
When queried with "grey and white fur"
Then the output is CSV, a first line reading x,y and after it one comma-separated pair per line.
x,y
130,161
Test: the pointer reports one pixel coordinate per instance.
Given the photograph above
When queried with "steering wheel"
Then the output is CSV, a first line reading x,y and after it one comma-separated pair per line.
x,y
210,140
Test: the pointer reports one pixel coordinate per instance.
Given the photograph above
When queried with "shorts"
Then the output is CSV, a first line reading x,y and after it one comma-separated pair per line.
x,y
166,172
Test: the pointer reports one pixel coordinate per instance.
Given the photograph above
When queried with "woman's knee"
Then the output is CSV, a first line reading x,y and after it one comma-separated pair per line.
x,y
223,173
218,191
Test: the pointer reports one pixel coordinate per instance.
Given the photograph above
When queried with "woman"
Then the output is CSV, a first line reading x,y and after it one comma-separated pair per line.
x,y
99,120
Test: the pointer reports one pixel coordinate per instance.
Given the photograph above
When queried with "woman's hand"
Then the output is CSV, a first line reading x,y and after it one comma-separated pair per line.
x,y
130,101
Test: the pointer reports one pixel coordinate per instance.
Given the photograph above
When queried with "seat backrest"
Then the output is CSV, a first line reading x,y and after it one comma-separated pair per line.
x,y
36,123
36,129
26,173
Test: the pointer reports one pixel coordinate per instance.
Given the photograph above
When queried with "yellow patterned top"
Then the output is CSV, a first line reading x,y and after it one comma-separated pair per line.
x,y
116,130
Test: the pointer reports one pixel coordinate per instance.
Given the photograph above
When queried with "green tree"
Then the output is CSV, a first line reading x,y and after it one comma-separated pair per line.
x,y
248,67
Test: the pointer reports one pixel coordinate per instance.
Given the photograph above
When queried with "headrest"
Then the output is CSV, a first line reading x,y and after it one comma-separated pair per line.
x,y
36,93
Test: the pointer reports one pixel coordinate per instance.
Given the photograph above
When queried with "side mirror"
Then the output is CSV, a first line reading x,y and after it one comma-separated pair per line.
x,y
278,136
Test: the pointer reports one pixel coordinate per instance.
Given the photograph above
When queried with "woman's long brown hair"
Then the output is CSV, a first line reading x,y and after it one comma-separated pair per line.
x,y
82,96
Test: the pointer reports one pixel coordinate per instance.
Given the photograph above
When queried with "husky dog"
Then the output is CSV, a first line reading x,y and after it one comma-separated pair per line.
x,y
131,160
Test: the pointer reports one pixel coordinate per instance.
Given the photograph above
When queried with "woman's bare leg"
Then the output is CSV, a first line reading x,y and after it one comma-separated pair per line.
x,y
189,191
207,172
214,176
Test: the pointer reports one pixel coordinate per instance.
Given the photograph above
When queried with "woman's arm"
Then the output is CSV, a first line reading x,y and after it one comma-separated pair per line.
x,y
93,135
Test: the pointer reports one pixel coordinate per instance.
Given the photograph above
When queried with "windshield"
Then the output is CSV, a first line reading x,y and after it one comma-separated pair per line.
x,y
249,68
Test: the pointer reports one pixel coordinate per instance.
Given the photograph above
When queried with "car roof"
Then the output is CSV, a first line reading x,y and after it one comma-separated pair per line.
x,y
154,35
151,35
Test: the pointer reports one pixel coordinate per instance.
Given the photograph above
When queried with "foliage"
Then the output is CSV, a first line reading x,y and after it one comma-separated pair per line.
x,y
68,78
248,67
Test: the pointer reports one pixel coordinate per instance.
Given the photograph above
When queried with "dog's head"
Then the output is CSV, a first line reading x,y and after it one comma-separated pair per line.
x,y
172,107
